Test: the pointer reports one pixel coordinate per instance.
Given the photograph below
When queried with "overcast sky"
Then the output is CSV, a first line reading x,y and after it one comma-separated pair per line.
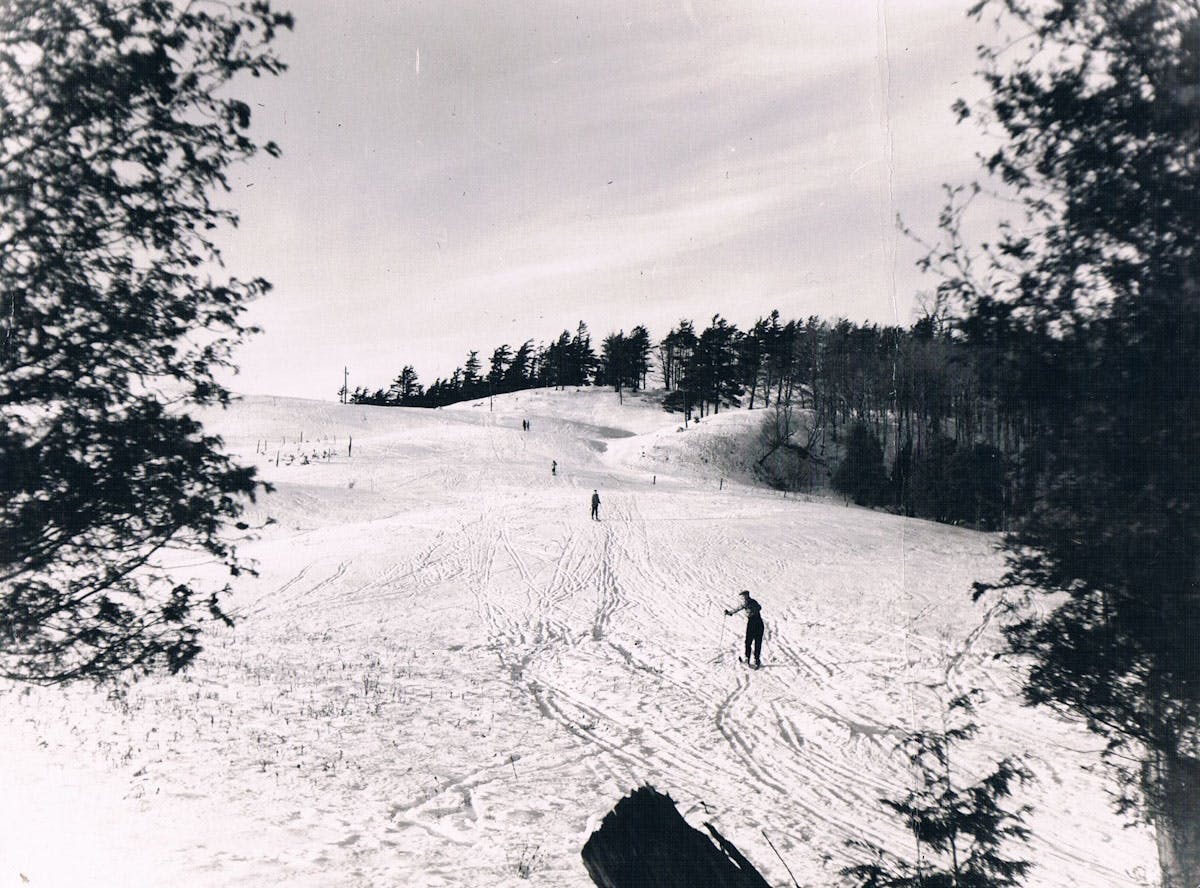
x,y
459,175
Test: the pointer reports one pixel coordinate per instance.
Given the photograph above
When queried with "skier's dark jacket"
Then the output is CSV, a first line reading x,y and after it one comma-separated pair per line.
x,y
753,610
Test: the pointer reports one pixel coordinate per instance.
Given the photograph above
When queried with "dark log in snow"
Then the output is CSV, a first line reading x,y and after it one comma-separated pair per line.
x,y
644,842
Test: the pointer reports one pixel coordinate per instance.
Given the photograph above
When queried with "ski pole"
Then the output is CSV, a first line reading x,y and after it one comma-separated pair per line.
x,y
721,644
780,856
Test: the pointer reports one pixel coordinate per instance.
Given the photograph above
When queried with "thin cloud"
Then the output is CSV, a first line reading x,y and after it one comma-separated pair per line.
x,y
624,242
508,166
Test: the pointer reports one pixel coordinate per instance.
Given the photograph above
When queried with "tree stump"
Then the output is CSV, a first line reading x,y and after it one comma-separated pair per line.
x,y
644,842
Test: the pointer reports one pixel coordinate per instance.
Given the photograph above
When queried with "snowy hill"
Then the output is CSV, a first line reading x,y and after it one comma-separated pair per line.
x,y
446,673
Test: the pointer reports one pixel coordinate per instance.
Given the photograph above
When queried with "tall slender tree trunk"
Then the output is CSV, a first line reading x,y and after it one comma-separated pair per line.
x,y
1177,820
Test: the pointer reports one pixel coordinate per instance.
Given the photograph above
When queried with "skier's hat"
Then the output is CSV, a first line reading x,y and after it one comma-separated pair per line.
x,y
746,592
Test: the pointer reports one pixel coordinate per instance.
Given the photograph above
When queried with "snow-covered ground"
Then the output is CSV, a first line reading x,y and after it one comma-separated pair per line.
x,y
446,673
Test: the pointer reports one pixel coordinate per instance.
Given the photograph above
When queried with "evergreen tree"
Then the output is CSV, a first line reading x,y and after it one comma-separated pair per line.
x,y
752,359
118,126
714,366
470,374
861,476
583,361
778,340
808,349
637,351
675,353
405,389
496,373
624,360
520,367
960,831
611,369
558,361
1100,116
544,363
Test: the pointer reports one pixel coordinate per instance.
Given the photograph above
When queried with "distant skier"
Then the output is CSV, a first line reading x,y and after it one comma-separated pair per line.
x,y
595,506
754,627
553,467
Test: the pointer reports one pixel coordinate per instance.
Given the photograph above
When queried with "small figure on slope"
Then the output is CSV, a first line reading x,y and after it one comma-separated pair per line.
x,y
553,467
754,627
595,506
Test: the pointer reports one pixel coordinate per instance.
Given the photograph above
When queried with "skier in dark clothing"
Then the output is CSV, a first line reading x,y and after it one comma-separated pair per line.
x,y
595,506
553,467
754,627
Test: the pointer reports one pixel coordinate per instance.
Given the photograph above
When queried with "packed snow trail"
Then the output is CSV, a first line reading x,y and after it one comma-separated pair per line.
x,y
447,673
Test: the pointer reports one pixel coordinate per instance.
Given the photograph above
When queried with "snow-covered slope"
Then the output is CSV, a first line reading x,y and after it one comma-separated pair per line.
x,y
446,673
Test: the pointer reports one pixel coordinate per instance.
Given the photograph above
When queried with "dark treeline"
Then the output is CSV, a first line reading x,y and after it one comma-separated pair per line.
x,y
928,420
923,420
622,362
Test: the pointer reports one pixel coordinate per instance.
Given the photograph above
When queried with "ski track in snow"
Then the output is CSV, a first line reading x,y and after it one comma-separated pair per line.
x,y
446,673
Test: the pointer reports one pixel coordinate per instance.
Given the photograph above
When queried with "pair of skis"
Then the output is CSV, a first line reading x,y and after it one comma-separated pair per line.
x,y
746,662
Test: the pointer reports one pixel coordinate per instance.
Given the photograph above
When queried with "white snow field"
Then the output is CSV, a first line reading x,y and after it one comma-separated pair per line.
x,y
446,673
